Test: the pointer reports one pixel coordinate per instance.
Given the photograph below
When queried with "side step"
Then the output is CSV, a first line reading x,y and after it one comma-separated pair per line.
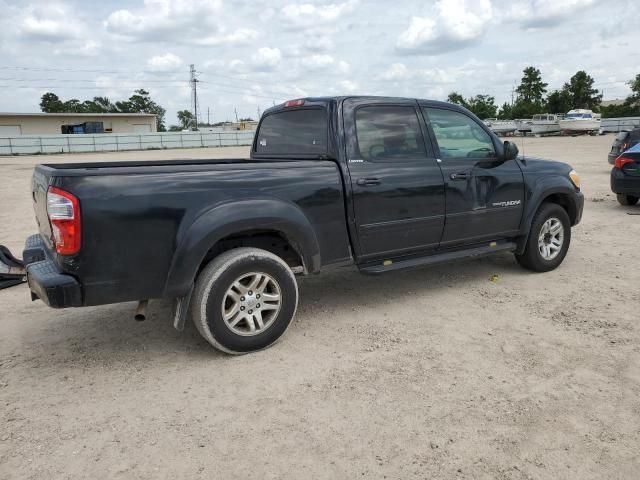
x,y
445,257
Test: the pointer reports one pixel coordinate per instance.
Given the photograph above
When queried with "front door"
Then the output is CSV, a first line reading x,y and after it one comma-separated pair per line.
x,y
484,194
397,185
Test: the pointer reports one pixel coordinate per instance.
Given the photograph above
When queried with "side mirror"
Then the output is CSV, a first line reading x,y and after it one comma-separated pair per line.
x,y
510,150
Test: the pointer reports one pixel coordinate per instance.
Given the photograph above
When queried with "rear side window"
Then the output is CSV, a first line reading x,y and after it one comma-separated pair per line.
x,y
302,132
622,136
459,135
388,133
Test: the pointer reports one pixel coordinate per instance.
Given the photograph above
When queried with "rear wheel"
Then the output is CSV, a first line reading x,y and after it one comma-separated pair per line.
x,y
627,199
549,239
244,300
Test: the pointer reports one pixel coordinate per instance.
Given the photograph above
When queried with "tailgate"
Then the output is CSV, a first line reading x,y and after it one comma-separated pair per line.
x,y
39,187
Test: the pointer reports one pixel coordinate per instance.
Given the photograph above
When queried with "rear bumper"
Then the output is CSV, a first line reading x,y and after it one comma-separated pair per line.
x,y
623,183
56,289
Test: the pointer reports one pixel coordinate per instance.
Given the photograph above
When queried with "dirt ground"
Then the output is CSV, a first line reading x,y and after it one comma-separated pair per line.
x,y
431,373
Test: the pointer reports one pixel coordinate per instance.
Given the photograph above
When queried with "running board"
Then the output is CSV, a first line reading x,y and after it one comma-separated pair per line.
x,y
389,265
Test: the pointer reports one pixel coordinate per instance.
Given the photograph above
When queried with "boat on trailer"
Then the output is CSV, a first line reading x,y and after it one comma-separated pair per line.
x,y
501,127
580,120
545,123
524,125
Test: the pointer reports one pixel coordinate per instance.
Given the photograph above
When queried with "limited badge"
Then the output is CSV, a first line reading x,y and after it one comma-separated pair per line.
x,y
263,142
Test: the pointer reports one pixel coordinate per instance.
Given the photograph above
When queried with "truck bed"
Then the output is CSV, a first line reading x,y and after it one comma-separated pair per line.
x,y
139,218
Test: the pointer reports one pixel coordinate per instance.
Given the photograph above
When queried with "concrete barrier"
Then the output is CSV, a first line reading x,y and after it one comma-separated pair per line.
x,y
114,142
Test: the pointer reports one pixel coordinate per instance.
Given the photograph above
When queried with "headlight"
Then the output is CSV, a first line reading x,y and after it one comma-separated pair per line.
x,y
575,178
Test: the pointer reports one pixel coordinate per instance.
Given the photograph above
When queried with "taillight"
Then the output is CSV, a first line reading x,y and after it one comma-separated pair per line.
x,y
294,103
622,161
63,210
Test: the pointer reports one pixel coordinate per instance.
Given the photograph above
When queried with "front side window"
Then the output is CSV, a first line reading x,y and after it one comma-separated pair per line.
x,y
294,132
388,133
459,135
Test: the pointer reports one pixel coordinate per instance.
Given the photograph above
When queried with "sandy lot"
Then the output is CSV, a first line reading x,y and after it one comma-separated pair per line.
x,y
432,373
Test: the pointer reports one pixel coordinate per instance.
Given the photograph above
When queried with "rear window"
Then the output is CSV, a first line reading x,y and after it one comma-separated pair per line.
x,y
302,132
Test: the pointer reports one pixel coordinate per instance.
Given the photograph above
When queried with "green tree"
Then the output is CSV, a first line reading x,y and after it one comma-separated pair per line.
x,y
630,107
483,106
140,102
99,105
51,103
74,106
530,92
531,88
455,97
633,100
559,101
185,117
583,95
506,112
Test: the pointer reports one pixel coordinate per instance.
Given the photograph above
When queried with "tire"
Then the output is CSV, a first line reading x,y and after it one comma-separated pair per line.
x,y
548,216
627,200
224,296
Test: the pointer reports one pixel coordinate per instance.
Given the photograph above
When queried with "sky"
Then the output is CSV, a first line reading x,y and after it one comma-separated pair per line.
x,y
252,54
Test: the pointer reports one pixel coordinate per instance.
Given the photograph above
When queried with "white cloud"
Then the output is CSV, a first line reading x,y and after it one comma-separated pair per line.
x,y
90,48
324,61
545,13
349,86
184,20
456,24
307,14
242,36
397,71
164,63
266,58
50,22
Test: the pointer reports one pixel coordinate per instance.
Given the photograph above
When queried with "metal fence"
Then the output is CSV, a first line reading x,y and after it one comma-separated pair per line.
x,y
619,124
114,142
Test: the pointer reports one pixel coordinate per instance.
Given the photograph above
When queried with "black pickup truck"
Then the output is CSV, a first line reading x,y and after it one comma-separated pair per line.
x,y
382,183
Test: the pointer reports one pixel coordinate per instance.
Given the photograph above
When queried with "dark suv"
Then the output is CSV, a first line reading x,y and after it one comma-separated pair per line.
x,y
623,141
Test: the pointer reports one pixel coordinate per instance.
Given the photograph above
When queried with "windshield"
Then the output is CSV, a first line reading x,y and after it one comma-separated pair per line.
x,y
578,115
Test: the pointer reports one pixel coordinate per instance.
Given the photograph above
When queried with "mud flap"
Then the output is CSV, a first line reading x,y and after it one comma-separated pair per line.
x,y
12,270
181,310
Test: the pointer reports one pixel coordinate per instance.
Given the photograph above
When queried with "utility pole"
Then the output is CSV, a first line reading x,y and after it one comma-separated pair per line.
x,y
258,114
194,94
236,112
208,116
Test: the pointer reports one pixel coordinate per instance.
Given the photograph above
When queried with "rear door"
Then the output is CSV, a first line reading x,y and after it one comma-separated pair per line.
x,y
397,185
484,194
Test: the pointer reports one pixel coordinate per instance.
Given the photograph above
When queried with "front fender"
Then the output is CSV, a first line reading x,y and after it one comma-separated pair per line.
x,y
234,217
540,191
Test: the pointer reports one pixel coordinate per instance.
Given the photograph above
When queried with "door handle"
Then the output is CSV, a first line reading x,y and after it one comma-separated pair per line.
x,y
459,176
368,182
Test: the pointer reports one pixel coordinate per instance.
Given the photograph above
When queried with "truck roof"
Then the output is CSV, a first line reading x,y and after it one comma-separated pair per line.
x,y
341,98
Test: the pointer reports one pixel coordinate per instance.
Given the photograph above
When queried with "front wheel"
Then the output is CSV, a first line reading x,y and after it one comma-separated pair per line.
x,y
626,199
549,239
244,300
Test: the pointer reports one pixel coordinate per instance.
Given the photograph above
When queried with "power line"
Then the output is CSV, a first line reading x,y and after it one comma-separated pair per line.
x,y
129,73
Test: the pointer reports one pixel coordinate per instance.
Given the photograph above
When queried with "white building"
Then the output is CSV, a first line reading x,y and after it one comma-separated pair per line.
x,y
12,124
